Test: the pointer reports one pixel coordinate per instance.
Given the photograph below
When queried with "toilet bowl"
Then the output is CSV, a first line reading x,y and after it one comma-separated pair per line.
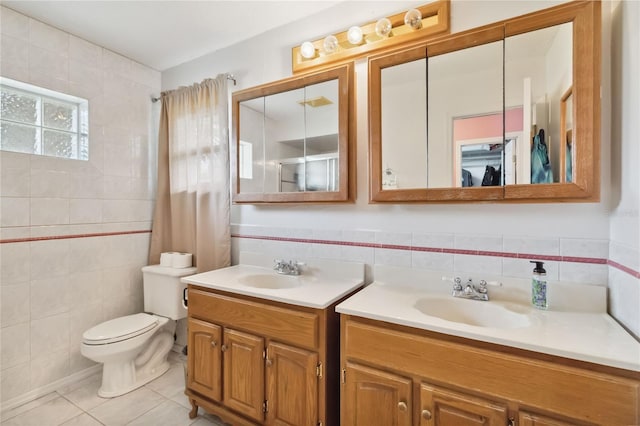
x,y
134,348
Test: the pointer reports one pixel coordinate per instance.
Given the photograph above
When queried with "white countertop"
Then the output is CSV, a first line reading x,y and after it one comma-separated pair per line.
x,y
582,334
320,284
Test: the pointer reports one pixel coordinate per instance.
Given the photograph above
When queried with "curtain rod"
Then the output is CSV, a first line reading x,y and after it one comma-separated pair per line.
x,y
229,77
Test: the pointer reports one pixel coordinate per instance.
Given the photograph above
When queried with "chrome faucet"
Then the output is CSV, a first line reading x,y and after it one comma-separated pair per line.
x,y
292,267
471,290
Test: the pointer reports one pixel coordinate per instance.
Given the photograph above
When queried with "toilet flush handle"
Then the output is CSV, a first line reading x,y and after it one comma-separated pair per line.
x,y
185,297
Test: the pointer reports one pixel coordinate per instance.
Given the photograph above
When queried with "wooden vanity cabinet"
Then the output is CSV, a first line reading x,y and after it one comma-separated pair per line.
x,y
253,361
397,375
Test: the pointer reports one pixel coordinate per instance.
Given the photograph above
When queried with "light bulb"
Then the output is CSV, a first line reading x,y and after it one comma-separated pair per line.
x,y
307,50
413,18
383,27
354,35
330,44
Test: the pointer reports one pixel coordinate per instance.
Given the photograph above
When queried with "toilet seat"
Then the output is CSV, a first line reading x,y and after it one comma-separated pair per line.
x,y
119,329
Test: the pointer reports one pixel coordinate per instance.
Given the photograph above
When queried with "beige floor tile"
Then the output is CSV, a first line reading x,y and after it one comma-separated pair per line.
x,y
52,413
122,410
7,414
170,383
86,395
82,420
168,413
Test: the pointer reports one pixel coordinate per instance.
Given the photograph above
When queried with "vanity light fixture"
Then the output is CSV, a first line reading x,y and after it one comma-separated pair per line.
x,y
307,50
354,35
383,27
330,44
413,18
416,25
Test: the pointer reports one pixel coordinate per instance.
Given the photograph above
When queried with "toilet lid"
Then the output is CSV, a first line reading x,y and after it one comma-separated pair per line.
x,y
120,329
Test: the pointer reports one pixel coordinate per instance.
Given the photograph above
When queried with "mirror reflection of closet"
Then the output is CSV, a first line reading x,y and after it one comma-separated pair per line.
x,y
465,116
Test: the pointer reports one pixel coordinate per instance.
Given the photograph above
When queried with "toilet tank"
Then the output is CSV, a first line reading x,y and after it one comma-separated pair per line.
x,y
163,290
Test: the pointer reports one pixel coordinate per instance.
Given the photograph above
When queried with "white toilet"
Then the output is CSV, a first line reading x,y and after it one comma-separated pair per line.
x,y
134,348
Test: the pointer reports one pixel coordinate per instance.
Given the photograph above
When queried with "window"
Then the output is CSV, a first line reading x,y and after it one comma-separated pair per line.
x,y
246,160
39,121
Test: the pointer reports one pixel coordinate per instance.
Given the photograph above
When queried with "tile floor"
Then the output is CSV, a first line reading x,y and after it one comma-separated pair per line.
x,y
161,402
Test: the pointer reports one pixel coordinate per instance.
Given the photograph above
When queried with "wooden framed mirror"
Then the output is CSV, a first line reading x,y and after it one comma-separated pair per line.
x,y
484,115
294,139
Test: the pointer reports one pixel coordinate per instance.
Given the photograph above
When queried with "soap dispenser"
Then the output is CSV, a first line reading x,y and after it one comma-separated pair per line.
x,y
539,286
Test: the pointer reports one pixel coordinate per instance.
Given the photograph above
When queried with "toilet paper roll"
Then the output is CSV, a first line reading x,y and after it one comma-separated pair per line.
x,y
182,260
166,259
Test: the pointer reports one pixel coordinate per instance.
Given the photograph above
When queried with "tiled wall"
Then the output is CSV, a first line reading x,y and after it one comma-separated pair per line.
x,y
74,233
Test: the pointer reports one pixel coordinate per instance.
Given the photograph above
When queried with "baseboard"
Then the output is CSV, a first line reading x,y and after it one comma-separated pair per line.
x,y
51,387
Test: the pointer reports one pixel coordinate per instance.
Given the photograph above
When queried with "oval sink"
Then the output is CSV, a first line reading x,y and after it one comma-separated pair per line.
x,y
472,312
271,281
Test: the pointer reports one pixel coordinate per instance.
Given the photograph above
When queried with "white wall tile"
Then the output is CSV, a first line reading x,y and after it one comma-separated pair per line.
x,y
478,242
477,266
624,299
359,236
50,296
49,335
14,211
14,345
531,245
15,263
48,367
392,257
433,240
48,37
50,64
49,259
579,247
585,273
15,381
49,211
116,251
428,260
14,24
85,211
15,57
85,288
394,238
85,52
116,63
85,254
49,183
81,319
625,255
14,301
15,182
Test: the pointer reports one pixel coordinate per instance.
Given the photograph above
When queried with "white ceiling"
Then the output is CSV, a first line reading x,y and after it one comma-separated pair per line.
x,y
163,34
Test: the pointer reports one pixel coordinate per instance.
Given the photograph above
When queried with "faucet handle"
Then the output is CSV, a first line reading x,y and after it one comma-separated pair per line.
x,y
484,284
457,282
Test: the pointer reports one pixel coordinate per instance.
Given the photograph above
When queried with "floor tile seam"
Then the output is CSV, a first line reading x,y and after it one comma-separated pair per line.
x,y
160,401
82,410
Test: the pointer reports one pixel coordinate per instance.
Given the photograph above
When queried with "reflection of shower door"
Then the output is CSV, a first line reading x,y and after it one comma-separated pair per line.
x,y
317,174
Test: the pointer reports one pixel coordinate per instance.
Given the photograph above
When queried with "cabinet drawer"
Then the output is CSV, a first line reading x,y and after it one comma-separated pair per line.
x,y
285,325
575,392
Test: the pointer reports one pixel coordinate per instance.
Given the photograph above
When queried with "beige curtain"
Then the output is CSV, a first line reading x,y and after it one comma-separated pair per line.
x,y
192,204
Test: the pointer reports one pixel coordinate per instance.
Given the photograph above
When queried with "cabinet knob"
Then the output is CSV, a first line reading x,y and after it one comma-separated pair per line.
x,y
214,343
426,414
223,348
402,406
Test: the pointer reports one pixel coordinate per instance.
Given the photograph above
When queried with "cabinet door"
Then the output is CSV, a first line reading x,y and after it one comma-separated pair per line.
x,y
375,398
243,386
292,386
443,407
204,359
530,419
